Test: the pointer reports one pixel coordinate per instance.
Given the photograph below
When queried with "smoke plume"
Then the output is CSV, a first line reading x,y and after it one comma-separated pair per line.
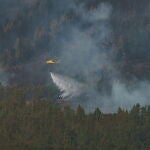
x,y
103,49
90,62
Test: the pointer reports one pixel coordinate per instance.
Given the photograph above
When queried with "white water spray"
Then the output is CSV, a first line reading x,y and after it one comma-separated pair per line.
x,y
68,86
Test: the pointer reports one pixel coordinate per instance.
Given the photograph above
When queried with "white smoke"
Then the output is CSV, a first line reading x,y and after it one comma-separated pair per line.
x,y
103,12
81,50
83,55
68,86
126,97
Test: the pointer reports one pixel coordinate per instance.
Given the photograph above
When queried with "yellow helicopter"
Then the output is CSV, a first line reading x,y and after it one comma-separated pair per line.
x,y
51,62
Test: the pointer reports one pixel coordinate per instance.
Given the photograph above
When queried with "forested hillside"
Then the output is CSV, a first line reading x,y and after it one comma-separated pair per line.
x,y
102,47
30,33
41,125
32,118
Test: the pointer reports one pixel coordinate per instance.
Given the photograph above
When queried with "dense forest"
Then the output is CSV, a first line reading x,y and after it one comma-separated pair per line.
x,y
41,125
35,122
102,44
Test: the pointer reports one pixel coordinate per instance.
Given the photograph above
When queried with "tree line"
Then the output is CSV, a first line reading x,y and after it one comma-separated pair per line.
x,y
42,125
